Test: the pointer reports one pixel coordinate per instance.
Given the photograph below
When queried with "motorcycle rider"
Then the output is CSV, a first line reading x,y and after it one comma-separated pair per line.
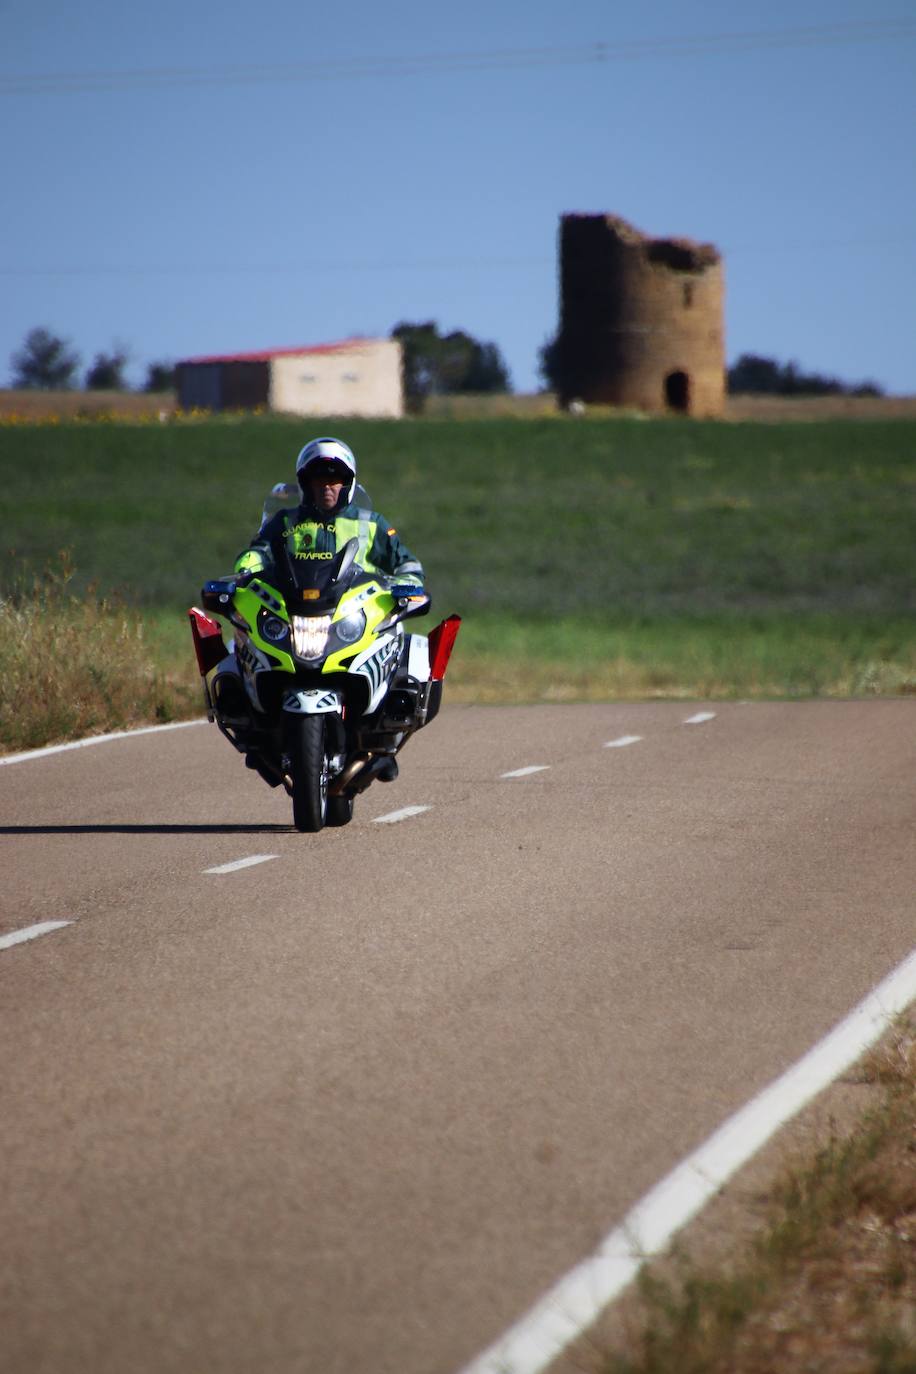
x,y
326,518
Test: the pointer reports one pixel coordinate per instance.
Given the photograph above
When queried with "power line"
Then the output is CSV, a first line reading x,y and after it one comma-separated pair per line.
x,y
501,59
452,264
274,269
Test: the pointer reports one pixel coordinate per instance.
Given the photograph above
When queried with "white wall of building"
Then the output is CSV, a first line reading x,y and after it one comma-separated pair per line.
x,y
362,379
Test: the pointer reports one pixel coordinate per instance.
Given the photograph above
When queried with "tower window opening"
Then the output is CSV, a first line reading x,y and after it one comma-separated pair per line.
x,y
677,392
688,295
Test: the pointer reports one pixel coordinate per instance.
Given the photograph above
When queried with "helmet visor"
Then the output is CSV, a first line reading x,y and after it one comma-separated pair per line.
x,y
325,470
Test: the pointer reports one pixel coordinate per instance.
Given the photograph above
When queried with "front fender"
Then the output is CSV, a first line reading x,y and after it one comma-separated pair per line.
x,y
316,701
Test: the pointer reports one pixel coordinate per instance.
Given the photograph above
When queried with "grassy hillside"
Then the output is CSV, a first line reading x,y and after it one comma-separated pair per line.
x,y
589,557
545,517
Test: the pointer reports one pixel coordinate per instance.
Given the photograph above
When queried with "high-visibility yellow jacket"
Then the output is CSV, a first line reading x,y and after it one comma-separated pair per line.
x,y
309,534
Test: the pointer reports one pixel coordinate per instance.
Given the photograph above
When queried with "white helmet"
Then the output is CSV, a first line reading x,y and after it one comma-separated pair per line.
x,y
324,453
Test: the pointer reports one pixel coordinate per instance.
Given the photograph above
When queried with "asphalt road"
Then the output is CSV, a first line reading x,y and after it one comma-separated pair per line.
x,y
353,1108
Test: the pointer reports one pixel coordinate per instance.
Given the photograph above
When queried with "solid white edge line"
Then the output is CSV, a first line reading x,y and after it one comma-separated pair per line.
x,y
401,815
623,741
700,717
577,1300
526,772
242,863
19,937
97,739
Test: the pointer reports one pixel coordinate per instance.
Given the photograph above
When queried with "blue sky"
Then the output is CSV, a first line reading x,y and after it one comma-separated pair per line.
x,y
199,177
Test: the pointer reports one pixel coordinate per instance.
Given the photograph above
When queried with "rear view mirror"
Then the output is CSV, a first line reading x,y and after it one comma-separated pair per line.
x,y
217,595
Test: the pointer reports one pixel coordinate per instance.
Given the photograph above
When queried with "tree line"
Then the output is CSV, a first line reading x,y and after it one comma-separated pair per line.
x,y
46,362
435,364
754,375
750,375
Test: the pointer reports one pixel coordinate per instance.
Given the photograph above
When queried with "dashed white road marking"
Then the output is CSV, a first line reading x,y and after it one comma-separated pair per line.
x,y
623,741
401,815
97,739
700,717
242,863
19,937
526,772
576,1300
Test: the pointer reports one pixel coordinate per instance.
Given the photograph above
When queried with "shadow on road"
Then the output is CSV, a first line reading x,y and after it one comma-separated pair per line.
x,y
146,829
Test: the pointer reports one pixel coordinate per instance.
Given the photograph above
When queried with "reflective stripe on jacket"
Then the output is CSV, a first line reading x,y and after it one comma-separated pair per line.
x,y
311,535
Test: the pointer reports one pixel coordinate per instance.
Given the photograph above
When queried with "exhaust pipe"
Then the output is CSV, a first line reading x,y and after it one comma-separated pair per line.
x,y
346,775
372,771
358,774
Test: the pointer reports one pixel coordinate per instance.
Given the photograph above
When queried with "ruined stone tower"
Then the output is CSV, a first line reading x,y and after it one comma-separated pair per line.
x,y
641,319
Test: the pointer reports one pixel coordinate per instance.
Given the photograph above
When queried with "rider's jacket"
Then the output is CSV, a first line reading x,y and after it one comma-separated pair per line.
x,y
312,535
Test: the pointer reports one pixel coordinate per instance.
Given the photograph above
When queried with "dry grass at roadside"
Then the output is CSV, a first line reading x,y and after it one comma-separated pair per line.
x,y
126,407
129,406
492,679
829,1285
680,658
79,665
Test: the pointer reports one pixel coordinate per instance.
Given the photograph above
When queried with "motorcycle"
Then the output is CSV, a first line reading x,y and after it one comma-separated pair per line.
x,y
320,686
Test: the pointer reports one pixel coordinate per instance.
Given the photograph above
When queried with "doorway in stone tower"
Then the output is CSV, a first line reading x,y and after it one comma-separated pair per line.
x,y
677,392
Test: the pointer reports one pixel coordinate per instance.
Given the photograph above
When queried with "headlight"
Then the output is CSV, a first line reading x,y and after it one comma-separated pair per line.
x,y
310,635
351,628
273,628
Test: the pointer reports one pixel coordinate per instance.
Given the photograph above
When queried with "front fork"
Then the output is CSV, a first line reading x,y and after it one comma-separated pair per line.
x,y
320,701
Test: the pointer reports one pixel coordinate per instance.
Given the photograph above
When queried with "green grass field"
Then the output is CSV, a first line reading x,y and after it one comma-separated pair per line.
x,y
590,558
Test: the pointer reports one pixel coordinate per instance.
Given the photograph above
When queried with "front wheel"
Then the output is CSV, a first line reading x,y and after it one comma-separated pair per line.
x,y
340,811
308,757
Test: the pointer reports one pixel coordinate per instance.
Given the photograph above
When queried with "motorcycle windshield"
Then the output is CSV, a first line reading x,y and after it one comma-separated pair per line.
x,y
283,496
315,585
286,496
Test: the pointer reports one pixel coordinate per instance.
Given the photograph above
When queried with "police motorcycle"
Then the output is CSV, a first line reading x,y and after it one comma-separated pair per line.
x,y
320,686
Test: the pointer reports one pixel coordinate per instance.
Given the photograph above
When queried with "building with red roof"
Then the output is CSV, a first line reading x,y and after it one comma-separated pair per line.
x,y
352,377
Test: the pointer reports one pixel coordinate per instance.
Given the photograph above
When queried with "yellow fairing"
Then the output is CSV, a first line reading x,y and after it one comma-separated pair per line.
x,y
247,604
376,605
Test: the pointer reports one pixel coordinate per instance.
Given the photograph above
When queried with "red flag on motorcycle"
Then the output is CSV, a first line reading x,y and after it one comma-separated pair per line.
x,y
441,643
208,640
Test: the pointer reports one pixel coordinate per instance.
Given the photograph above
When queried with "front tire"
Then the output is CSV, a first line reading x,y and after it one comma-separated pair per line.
x,y
310,773
340,811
